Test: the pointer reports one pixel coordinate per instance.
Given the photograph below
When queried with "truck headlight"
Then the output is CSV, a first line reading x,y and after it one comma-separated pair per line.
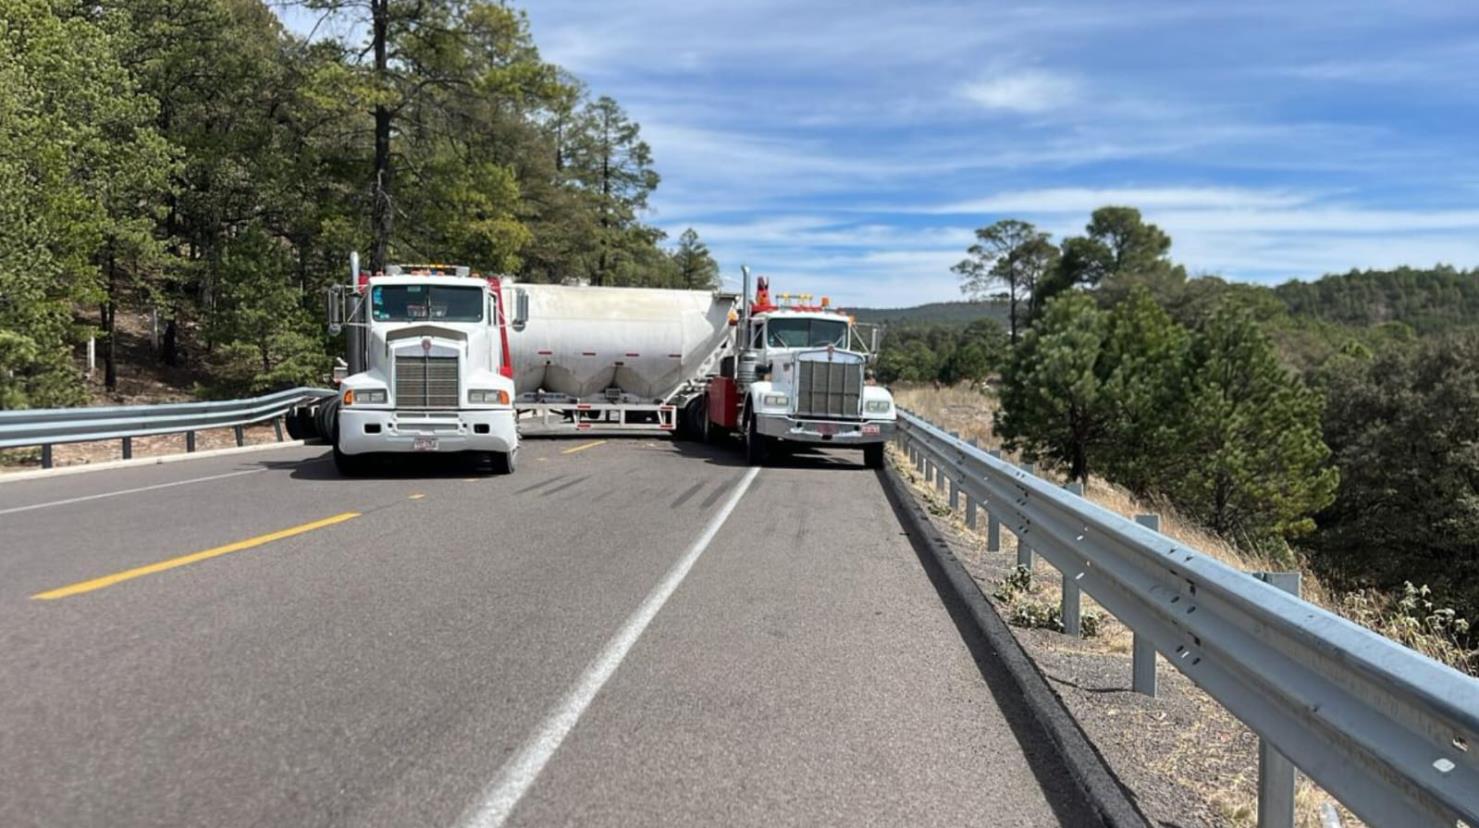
x,y
364,396
487,396
878,406
775,400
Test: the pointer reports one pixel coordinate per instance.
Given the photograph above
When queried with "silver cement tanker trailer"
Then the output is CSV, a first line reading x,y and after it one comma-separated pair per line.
x,y
619,357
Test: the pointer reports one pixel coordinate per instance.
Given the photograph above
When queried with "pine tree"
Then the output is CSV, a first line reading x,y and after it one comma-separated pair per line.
x,y
78,156
1252,463
697,270
1054,401
1013,255
1144,357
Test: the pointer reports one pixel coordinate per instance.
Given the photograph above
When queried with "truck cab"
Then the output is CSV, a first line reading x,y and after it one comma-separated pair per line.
x,y
802,377
437,373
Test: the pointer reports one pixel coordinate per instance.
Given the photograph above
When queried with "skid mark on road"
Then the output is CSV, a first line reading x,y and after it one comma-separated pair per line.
x,y
688,495
196,557
541,484
562,487
517,775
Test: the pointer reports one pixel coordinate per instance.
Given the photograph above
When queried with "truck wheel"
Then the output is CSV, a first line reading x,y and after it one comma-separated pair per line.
x,y
873,456
326,420
504,462
757,450
350,465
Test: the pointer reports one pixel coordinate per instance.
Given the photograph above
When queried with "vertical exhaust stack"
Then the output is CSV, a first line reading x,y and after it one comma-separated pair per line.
x,y
354,339
744,299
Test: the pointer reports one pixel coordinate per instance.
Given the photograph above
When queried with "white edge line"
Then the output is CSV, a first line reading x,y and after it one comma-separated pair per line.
x,y
517,775
12,477
101,495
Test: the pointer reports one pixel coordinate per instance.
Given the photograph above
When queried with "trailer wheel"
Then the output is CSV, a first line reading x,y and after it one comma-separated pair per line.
x,y
757,450
504,462
873,456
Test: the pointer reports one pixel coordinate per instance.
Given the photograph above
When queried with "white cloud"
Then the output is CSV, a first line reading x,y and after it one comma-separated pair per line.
x,y
1029,91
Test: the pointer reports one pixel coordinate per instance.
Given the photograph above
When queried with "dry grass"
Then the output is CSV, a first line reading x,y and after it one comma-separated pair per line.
x,y
1402,618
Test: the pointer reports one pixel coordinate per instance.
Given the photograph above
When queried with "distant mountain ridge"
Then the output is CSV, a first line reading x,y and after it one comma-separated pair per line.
x,y
934,313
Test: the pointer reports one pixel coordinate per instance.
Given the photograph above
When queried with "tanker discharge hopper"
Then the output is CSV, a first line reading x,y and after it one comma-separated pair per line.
x,y
620,356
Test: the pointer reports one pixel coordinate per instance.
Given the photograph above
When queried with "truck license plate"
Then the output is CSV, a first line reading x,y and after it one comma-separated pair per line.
x,y
826,428
870,429
424,444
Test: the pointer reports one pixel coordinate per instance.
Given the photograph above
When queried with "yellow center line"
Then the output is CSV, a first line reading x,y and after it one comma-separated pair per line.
x,y
417,496
574,449
162,566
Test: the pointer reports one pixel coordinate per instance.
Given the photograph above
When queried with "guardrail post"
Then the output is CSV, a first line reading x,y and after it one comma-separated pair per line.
x,y
1275,772
993,526
939,478
970,504
1071,606
240,436
190,441
128,448
1142,674
46,456
277,428
1024,552
954,494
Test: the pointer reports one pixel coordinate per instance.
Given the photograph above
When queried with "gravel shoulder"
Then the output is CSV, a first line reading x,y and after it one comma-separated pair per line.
x,y
1186,761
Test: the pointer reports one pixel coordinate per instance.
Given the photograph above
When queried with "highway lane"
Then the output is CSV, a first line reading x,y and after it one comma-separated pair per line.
x,y
381,670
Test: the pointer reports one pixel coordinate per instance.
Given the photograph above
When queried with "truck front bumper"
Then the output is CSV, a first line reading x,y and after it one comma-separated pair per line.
x,y
825,432
363,431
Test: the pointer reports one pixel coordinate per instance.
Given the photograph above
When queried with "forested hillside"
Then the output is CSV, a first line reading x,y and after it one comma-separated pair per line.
x,y
934,313
1428,301
194,161
1335,421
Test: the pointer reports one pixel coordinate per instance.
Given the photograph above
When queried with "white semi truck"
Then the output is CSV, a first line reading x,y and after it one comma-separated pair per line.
x,y
442,360
430,368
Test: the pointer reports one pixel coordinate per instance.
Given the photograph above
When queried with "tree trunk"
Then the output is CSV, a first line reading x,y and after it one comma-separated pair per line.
x,y
109,313
382,214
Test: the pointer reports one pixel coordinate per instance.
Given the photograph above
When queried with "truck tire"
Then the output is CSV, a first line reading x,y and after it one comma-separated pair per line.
x,y
350,465
693,420
757,446
504,462
326,421
299,424
873,456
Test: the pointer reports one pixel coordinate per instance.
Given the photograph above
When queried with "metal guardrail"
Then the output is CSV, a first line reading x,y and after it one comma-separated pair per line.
x,y
46,427
1391,733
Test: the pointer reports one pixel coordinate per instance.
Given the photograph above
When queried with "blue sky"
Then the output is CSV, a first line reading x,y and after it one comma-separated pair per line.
x,y
850,148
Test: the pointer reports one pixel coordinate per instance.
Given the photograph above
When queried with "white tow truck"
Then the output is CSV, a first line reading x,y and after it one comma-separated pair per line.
x,y
431,369
799,376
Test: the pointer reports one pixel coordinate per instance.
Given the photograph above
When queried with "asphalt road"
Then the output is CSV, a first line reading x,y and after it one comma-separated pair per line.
x,y
632,631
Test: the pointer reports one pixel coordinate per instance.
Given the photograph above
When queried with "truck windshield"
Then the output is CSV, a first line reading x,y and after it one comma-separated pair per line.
x,y
406,303
806,333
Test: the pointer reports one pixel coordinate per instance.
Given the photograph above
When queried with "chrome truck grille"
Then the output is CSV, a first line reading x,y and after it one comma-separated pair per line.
x,y
426,382
829,389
